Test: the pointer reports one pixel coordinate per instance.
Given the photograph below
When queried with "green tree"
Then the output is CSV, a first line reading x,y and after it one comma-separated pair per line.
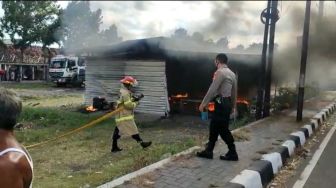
x,y
80,25
180,33
198,37
223,43
110,35
2,43
25,21
50,35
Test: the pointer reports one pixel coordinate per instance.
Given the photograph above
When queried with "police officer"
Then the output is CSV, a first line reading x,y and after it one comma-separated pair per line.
x,y
223,91
125,119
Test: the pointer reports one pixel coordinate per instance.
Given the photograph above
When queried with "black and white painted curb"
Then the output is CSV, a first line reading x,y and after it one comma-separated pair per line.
x,y
261,172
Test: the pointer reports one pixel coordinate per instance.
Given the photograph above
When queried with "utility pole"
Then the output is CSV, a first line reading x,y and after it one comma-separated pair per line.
x,y
321,8
268,81
261,88
304,52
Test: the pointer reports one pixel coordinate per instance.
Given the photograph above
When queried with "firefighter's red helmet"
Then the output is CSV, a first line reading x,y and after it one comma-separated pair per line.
x,y
129,80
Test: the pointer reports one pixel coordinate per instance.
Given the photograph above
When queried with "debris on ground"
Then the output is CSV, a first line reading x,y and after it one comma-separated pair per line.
x,y
242,135
144,181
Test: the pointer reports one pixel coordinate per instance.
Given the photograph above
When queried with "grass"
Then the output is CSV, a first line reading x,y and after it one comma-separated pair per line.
x,y
53,101
84,159
34,85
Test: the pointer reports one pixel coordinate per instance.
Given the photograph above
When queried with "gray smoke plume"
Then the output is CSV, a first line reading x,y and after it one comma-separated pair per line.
x,y
321,62
230,18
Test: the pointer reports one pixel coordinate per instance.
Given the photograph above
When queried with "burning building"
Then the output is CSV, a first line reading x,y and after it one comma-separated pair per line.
x,y
171,80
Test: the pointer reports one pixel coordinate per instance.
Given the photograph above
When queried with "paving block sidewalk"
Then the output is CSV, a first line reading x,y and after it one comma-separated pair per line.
x,y
190,171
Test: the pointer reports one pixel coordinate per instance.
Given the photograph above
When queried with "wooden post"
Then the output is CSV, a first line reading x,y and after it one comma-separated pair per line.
x,y
261,86
268,80
33,72
304,53
21,74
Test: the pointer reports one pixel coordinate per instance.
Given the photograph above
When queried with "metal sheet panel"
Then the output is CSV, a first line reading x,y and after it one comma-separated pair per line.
x,y
102,79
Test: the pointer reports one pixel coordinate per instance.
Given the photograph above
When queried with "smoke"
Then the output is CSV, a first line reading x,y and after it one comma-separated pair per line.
x,y
225,18
231,18
321,62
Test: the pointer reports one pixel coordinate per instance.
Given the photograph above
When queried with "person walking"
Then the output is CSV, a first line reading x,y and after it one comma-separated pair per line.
x,y
223,92
125,124
16,165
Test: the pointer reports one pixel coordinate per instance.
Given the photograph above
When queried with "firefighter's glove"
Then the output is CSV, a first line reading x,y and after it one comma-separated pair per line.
x,y
137,97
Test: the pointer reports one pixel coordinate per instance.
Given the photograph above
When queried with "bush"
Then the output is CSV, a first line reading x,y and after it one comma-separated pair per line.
x,y
287,97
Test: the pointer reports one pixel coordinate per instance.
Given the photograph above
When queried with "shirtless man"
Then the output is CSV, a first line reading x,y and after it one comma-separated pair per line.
x,y
16,166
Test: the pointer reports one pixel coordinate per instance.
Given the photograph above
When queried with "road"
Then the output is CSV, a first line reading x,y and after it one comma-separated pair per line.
x,y
321,170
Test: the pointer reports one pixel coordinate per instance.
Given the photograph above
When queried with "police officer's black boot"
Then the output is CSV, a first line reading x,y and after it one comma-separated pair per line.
x,y
231,155
208,152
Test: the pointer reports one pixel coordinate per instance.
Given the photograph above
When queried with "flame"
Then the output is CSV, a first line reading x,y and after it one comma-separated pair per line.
x,y
211,107
242,101
91,109
181,95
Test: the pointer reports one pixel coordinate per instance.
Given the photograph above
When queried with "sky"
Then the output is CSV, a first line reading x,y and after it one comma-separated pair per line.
x,y
238,20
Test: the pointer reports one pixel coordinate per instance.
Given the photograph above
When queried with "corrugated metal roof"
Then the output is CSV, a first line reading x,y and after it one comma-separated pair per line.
x,y
102,79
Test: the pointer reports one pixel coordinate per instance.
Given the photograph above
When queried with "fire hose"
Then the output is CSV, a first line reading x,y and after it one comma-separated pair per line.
x,y
90,124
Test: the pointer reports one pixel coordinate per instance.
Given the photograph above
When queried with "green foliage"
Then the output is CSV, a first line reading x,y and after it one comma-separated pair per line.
x,y
80,25
2,44
26,22
241,122
287,97
110,35
311,91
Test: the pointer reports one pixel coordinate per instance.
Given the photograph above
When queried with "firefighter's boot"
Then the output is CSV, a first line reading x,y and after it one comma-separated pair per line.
x,y
145,144
115,147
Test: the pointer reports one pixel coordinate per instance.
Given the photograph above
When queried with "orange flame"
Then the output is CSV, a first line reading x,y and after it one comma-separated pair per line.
x,y
181,96
242,101
211,107
91,109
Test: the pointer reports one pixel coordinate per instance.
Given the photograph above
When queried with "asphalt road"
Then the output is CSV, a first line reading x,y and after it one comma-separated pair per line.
x,y
319,170
324,173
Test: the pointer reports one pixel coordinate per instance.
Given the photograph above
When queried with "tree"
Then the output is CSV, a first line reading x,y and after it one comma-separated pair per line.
x,y
80,25
198,37
255,47
49,35
110,35
223,43
25,21
180,33
2,43
239,48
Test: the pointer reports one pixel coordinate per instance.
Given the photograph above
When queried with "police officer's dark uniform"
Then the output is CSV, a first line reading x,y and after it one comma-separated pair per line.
x,y
223,91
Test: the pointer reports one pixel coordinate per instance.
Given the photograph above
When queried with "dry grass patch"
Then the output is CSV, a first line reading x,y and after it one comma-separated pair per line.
x,y
242,135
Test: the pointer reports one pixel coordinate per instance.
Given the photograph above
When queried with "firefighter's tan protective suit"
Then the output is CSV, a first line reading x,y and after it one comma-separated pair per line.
x,y
125,119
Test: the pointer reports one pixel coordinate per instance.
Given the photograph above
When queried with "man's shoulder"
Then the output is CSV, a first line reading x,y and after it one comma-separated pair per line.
x,y
14,161
16,165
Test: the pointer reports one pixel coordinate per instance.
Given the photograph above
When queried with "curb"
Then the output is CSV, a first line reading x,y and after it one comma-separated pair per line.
x,y
261,172
146,169
159,164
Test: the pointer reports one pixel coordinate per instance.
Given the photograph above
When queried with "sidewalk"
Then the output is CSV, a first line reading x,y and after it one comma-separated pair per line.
x,y
263,136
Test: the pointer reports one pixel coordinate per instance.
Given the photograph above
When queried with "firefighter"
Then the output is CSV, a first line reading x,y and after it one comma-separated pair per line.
x,y
125,119
223,91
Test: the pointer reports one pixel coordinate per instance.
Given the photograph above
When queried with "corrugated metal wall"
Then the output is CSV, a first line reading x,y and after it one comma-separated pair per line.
x,y
102,79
